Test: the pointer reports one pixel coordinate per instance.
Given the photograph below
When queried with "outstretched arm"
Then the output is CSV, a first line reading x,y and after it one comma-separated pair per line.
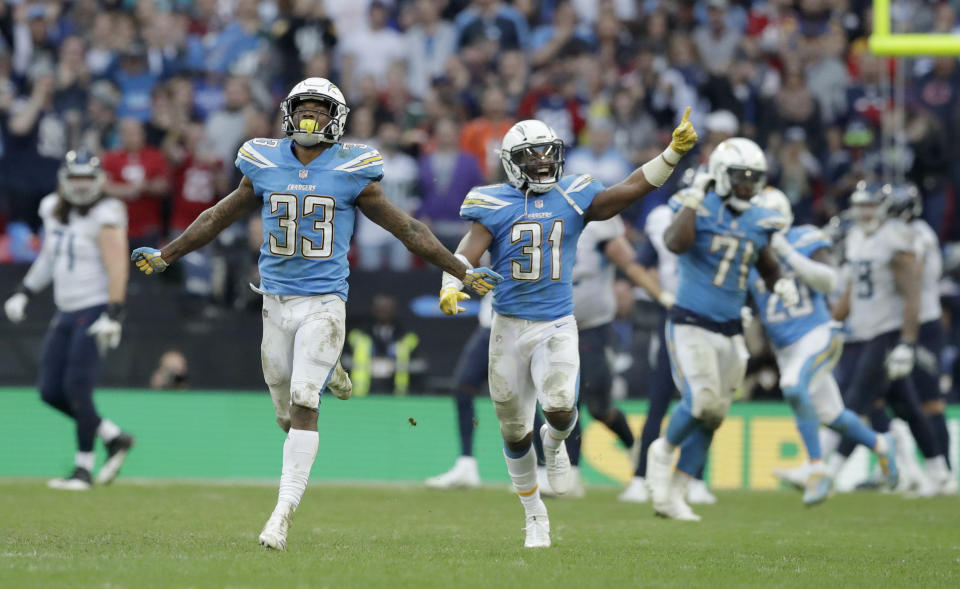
x,y
647,178
235,206
414,234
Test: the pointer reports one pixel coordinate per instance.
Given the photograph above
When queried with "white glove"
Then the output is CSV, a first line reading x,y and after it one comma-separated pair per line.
x,y
107,333
15,307
666,299
786,289
900,361
780,245
746,317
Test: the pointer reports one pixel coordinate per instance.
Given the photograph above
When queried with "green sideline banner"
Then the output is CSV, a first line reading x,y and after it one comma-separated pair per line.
x,y
224,435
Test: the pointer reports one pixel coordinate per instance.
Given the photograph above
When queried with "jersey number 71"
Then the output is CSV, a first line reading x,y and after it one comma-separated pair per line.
x,y
730,245
320,207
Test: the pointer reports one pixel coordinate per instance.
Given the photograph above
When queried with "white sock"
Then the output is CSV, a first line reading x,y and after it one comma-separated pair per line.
x,y
835,464
555,436
523,473
829,441
936,468
299,452
84,460
107,430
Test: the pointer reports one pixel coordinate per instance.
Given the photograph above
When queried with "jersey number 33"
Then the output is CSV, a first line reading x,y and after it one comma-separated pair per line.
x,y
315,240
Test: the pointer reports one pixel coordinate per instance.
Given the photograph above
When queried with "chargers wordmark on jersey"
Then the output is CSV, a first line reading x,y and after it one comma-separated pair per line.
x,y
534,247
307,227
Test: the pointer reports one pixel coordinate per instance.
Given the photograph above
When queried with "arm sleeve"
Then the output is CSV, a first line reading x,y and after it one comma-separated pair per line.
x,y
40,274
818,276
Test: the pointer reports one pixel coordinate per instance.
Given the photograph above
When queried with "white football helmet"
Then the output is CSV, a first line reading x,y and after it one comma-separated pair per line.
x,y
81,178
322,90
532,156
775,200
739,170
868,205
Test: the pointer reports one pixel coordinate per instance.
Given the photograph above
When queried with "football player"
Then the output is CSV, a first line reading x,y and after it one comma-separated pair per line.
x,y
719,236
531,225
84,255
906,204
807,346
307,188
881,306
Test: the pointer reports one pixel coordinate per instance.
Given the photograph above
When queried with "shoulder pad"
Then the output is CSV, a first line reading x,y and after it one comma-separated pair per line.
x,y
807,235
110,212
257,152
770,220
48,204
358,157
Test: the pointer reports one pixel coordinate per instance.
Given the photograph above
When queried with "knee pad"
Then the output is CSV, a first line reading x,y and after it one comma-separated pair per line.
x,y
306,394
559,390
513,431
710,407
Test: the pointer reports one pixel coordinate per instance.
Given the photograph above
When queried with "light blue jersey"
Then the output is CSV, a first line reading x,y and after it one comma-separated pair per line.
x,y
787,325
534,243
308,212
713,273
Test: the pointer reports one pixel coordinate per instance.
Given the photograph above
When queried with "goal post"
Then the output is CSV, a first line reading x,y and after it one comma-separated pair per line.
x,y
883,42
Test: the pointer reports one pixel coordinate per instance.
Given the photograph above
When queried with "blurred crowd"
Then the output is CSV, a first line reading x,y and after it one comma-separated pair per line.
x,y
166,90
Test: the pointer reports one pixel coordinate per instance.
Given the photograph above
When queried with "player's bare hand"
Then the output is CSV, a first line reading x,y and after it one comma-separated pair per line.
x,y
450,299
481,280
148,260
684,136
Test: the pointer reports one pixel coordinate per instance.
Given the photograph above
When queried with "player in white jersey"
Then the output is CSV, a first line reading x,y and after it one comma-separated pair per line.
x,y
906,204
84,256
307,188
881,308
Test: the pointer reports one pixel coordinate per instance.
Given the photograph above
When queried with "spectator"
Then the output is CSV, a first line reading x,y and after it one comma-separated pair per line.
x,y
481,137
198,179
377,247
306,33
715,40
99,128
34,146
135,81
224,128
139,175
370,52
445,177
599,158
548,40
553,100
238,41
826,74
381,351
429,43
494,22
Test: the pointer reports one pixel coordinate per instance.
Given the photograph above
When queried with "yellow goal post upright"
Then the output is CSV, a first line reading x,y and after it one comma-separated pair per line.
x,y
883,42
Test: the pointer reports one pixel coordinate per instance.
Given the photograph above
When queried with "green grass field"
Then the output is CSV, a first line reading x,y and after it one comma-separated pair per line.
x,y
187,535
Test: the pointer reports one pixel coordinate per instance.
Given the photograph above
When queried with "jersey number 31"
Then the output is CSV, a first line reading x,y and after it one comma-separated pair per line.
x,y
321,208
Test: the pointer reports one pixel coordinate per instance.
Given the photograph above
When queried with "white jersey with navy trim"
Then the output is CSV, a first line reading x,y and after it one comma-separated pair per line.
x,y
71,253
928,252
656,225
875,305
594,302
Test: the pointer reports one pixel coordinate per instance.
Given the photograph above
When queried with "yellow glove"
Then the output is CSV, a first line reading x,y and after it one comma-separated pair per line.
x,y
450,299
148,260
684,136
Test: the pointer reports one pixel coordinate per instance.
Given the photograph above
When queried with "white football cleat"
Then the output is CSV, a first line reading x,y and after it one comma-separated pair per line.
x,y
339,383
557,463
659,463
463,475
950,486
699,494
636,492
79,480
538,532
675,507
274,534
795,477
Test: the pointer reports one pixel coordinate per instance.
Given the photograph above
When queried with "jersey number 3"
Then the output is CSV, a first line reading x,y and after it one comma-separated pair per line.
x,y
530,267
321,208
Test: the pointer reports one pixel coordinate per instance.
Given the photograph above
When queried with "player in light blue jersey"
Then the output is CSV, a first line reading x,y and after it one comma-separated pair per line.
x,y
307,188
718,236
531,226
807,347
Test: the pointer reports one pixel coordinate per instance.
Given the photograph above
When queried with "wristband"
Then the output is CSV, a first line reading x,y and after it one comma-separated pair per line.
x,y
116,311
658,170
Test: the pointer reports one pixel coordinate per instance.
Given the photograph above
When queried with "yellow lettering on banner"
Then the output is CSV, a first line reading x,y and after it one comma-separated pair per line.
x,y
603,451
774,443
725,466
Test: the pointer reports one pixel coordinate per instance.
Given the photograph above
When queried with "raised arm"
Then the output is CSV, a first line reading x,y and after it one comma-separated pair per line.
x,y
647,177
420,240
815,271
619,251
